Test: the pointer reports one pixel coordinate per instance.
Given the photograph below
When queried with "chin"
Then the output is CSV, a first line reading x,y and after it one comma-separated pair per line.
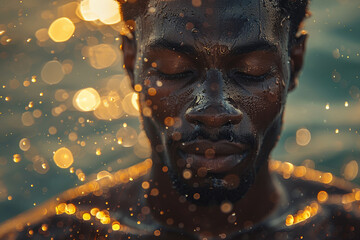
x,y
213,189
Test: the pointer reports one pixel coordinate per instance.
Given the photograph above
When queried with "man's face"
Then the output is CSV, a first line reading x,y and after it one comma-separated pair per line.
x,y
214,82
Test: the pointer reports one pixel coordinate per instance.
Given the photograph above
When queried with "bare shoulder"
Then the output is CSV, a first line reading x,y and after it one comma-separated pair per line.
x,y
326,205
85,212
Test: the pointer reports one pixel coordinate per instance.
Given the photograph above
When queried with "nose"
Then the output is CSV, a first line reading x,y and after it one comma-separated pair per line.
x,y
210,108
214,116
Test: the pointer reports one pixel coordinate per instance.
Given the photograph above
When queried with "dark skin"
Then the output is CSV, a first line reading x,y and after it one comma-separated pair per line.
x,y
221,73
214,83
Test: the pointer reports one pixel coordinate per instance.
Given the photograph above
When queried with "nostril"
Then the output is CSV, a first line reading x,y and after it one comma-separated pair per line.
x,y
213,119
235,118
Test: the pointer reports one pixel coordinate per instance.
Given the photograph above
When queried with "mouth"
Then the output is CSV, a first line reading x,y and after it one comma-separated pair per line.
x,y
215,157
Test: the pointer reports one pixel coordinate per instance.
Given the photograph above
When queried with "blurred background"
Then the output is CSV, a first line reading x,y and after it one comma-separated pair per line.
x,y
68,114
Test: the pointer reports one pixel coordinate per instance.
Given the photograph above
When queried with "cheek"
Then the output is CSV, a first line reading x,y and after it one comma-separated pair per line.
x,y
263,105
167,103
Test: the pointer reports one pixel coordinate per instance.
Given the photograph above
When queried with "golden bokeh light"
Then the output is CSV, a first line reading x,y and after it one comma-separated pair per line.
x,y
40,164
37,113
86,216
187,174
116,226
289,220
61,29
127,136
103,174
16,158
61,95
52,130
86,12
110,107
70,209
107,11
52,72
226,207
63,158
27,119
86,100
145,185
102,55
130,104
69,10
24,144
42,35
303,137
322,196
351,170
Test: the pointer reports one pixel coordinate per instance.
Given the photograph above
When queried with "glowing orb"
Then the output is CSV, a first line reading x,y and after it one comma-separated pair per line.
x,y
63,158
86,100
61,29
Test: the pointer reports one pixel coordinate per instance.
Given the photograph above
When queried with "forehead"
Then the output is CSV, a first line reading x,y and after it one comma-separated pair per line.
x,y
211,22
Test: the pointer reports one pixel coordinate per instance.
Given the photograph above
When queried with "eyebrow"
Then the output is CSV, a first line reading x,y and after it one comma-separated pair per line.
x,y
190,50
173,46
261,45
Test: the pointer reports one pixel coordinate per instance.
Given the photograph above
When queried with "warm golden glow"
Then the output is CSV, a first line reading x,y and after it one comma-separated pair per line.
x,y
302,215
351,170
60,208
63,158
300,171
61,29
107,11
42,35
86,216
16,158
130,104
101,56
326,178
86,12
94,211
157,233
103,174
127,136
44,227
115,226
303,137
24,144
137,87
86,100
289,220
52,72
322,196
135,101
226,207
27,119
70,209
187,174
145,185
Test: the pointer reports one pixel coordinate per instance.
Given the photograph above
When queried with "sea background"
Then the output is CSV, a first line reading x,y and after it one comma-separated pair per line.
x,y
325,103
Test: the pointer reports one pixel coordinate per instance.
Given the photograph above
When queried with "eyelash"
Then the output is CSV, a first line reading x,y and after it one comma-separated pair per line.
x,y
248,77
181,75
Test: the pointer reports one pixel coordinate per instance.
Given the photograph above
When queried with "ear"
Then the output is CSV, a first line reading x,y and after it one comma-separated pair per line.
x,y
129,51
297,54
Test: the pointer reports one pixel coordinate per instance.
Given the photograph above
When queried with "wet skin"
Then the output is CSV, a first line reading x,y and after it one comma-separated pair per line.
x,y
221,73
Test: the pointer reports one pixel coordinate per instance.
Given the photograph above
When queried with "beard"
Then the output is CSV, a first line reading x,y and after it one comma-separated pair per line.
x,y
215,191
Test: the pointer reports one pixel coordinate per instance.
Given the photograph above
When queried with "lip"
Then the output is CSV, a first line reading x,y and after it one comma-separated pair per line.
x,y
223,157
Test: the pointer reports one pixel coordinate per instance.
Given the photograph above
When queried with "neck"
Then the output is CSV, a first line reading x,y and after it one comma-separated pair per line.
x,y
173,210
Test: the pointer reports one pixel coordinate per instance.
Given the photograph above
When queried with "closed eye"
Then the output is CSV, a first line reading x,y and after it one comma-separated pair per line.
x,y
175,76
241,75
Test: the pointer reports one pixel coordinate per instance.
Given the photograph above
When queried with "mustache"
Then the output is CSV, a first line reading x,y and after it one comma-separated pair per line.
x,y
226,134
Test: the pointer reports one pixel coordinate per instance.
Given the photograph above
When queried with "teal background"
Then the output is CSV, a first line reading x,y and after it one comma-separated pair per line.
x,y
333,46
